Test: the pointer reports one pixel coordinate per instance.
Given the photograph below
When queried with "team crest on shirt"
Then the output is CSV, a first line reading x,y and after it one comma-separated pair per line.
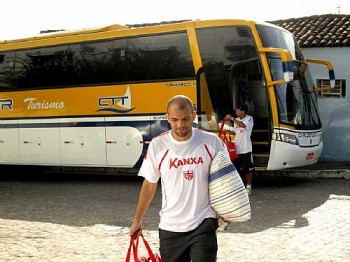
x,y
188,174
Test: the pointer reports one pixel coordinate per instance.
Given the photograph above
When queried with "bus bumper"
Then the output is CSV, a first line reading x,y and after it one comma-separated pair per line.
x,y
284,155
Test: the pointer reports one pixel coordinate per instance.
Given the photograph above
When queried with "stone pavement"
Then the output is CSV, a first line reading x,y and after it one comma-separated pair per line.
x,y
298,221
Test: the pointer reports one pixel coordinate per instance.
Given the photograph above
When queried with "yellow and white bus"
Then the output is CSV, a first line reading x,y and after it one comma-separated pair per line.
x,y
96,97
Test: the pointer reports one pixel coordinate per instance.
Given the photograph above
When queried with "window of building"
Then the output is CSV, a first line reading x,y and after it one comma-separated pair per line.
x,y
337,92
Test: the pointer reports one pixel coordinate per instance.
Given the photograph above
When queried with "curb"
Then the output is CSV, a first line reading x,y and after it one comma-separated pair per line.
x,y
310,174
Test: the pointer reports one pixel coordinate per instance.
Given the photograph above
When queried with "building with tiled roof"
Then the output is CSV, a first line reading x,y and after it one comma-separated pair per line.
x,y
328,37
330,30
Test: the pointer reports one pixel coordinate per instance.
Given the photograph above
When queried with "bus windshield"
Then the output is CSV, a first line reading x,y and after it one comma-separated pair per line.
x,y
280,38
296,102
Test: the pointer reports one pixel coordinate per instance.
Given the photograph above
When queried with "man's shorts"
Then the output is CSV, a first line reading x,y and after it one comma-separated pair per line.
x,y
244,163
198,245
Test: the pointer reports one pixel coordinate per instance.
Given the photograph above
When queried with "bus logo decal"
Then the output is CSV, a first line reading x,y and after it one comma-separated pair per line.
x,y
6,103
108,103
43,105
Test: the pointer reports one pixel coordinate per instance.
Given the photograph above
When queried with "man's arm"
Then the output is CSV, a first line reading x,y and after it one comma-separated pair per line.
x,y
147,192
235,121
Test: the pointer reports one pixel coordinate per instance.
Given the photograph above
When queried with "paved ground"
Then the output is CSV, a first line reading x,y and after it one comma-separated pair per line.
x,y
292,220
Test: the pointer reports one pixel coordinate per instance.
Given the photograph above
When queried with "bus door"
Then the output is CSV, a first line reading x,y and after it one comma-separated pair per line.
x,y
213,96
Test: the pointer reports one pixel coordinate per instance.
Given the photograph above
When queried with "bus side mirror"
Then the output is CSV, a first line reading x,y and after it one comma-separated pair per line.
x,y
288,73
287,61
330,72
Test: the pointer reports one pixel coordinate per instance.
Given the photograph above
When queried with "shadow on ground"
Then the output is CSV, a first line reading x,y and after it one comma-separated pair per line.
x,y
278,201
85,200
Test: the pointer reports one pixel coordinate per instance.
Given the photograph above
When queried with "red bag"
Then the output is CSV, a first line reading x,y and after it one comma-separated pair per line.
x,y
134,244
230,145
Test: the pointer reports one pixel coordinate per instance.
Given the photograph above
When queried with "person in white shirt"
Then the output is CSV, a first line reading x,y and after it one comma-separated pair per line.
x,y
181,158
242,129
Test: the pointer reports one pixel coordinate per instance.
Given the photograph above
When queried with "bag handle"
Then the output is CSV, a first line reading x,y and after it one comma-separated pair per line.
x,y
134,244
131,246
221,135
222,126
149,250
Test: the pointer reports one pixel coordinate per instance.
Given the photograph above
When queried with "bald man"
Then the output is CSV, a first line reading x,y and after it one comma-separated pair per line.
x,y
181,157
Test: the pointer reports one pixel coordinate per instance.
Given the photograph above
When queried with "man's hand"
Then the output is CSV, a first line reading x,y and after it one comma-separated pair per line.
x,y
135,233
135,230
228,117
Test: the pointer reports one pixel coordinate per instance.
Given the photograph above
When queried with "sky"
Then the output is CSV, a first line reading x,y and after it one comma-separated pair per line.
x,y
26,18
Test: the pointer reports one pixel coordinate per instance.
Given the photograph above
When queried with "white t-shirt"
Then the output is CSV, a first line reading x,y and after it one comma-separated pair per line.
x,y
242,139
183,167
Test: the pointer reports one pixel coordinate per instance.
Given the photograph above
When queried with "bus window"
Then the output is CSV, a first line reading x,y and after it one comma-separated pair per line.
x,y
7,66
159,57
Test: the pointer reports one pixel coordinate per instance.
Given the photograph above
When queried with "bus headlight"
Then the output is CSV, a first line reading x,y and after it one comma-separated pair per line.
x,y
291,139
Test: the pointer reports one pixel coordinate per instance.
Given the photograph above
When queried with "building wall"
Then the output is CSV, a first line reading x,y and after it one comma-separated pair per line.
x,y
334,112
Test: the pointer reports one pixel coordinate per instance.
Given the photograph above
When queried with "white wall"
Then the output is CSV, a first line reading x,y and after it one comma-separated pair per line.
x,y
334,112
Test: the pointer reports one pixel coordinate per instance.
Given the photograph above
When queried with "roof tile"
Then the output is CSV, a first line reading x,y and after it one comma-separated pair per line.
x,y
331,30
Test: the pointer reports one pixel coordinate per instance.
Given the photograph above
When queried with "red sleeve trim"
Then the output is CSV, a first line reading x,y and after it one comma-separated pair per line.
x,y
206,148
160,164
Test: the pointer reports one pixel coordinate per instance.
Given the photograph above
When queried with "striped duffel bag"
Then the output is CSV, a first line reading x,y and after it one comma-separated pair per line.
x,y
227,193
